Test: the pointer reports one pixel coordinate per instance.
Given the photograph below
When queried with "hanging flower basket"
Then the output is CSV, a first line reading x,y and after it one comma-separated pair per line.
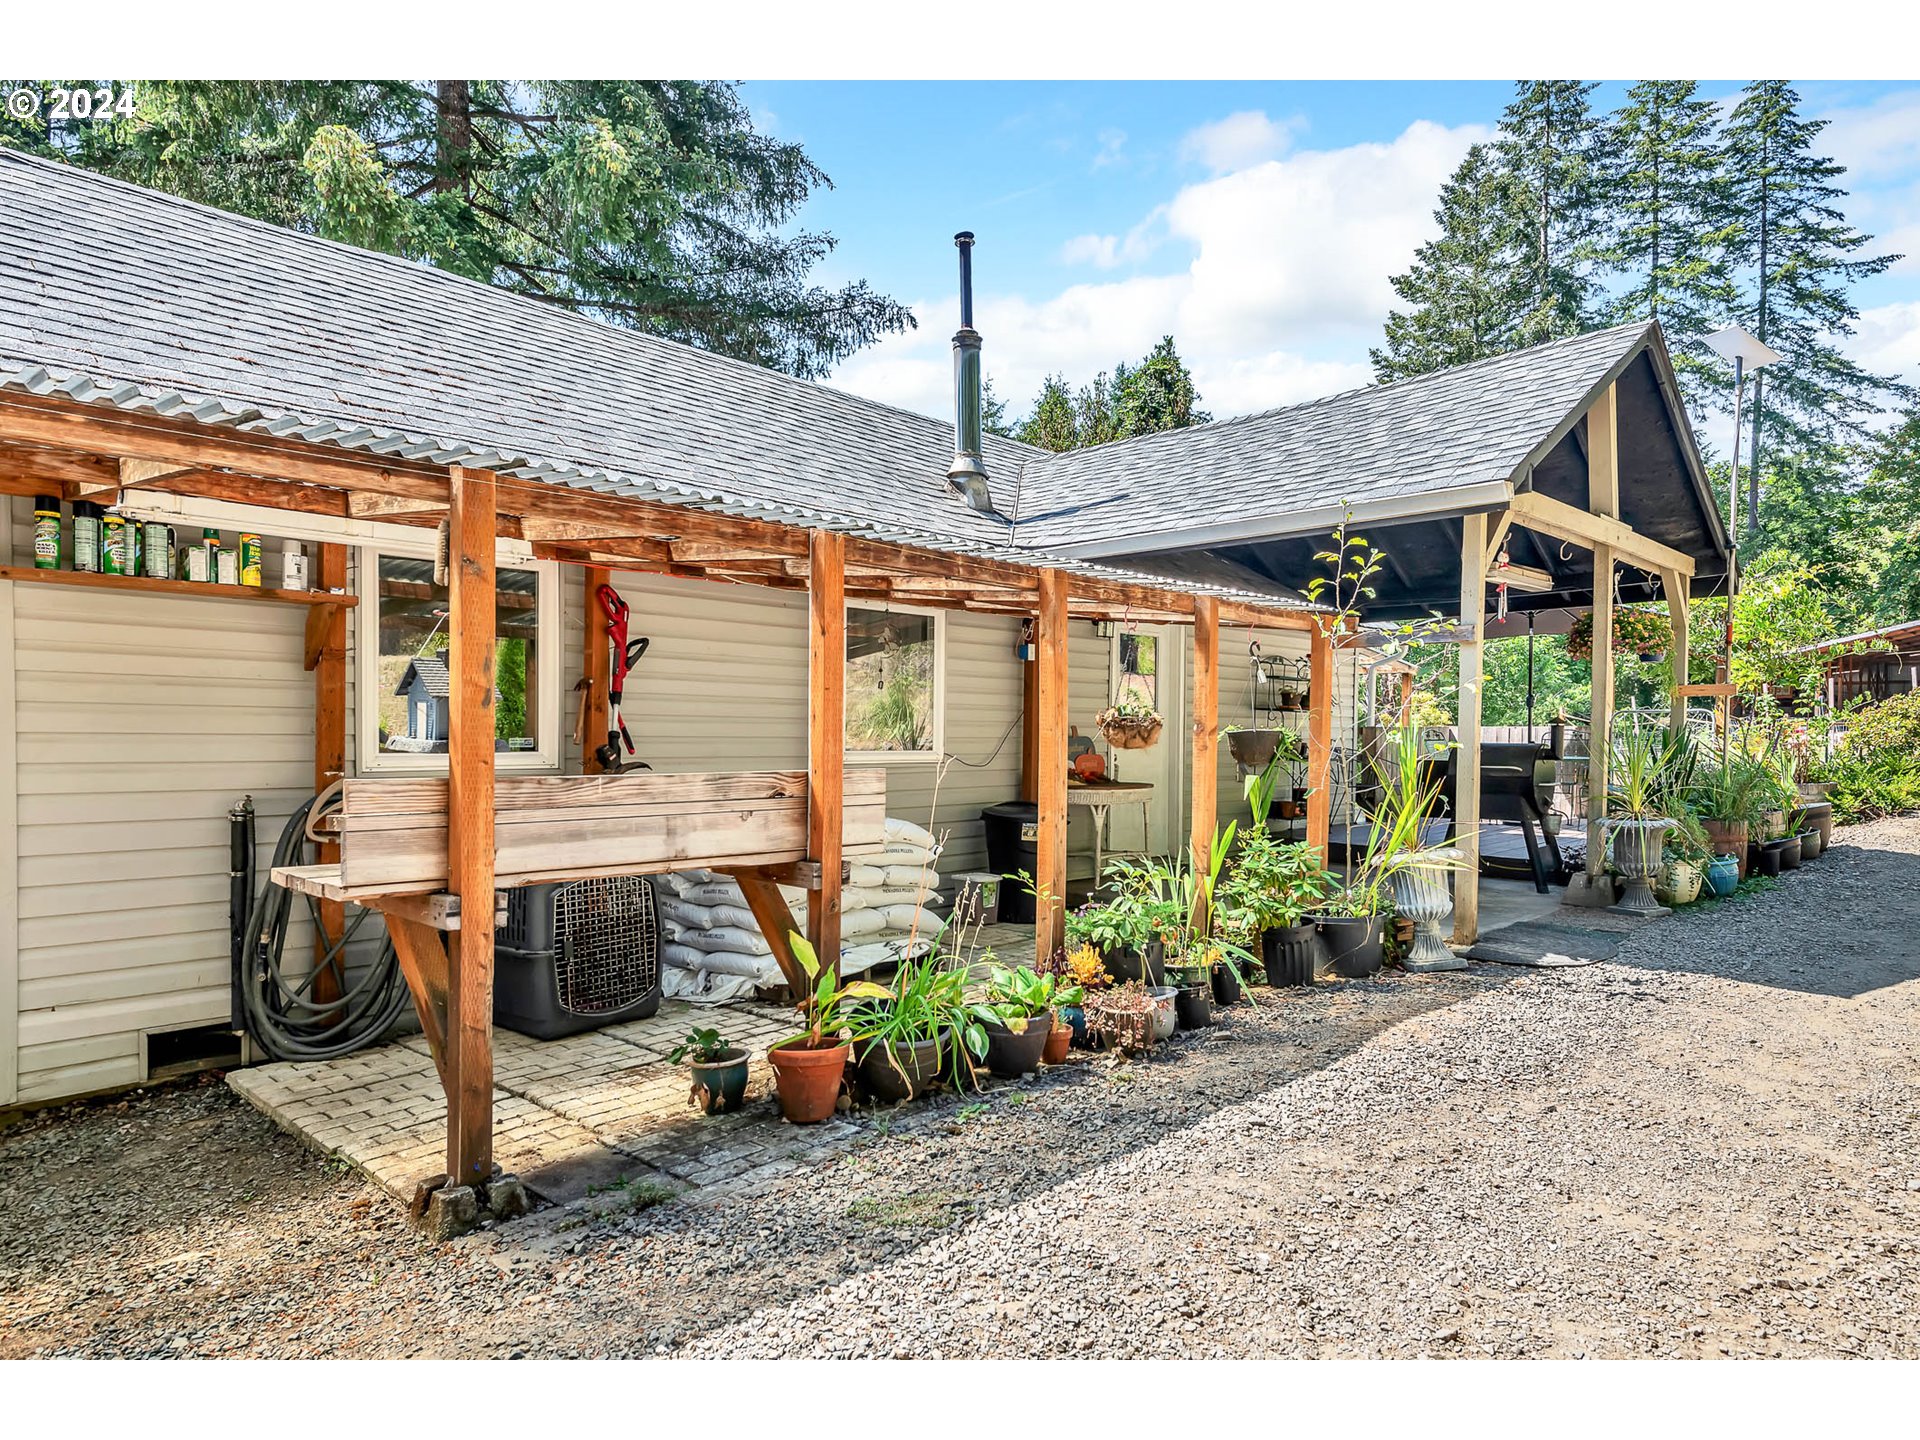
x,y
1635,632
1126,729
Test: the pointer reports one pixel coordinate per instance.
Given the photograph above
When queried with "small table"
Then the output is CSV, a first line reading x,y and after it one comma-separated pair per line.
x,y
1101,798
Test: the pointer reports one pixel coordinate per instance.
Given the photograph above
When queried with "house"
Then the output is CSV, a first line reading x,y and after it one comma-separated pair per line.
x,y
770,537
1872,666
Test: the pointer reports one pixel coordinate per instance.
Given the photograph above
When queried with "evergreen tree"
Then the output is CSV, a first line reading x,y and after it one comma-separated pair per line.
x,y
1094,422
993,410
1156,395
1052,425
1669,223
654,204
1890,499
1797,257
1546,150
1459,289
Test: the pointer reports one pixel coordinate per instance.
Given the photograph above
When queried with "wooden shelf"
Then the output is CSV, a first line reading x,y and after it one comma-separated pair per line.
x,y
31,574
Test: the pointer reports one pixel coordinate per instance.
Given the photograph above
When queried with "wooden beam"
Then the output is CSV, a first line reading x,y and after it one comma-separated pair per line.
x,y
1675,587
30,469
826,734
368,506
470,826
329,732
1567,522
771,912
1234,612
1204,803
1466,798
1603,456
1496,537
1050,781
599,671
423,961
1600,713
1320,738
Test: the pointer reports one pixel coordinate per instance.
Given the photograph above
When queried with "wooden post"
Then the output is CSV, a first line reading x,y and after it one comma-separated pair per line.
x,y
1603,457
1406,698
330,742
598,668
826,734
1205,800
1466,795
1050,781
1675,585
1320,739
470,750
1600,711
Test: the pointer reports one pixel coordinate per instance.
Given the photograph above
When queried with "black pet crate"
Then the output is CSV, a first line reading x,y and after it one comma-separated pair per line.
x,y
577,955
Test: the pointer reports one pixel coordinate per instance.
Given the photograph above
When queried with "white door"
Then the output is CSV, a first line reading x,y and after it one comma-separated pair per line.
x,y
1144,662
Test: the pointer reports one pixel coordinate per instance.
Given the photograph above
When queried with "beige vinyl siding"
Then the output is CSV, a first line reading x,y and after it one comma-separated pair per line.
x,y
137,720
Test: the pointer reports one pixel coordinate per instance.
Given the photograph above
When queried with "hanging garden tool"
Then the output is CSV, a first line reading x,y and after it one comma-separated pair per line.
x,y
623,655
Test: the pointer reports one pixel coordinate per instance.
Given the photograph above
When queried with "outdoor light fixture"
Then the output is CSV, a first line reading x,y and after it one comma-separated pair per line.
x,y
1747,353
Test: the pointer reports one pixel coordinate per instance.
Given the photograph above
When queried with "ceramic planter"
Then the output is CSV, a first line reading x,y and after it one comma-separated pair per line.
x,y
1810,844
720,1086
1288,954
1355,943
1166,1015
1013,1053
1074,1017
1636,854
809,1081
893,1072
1729,837
1723,874
1422,893
1680,882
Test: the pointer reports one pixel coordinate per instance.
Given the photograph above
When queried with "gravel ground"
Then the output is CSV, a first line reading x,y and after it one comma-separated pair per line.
x,y
1705,1147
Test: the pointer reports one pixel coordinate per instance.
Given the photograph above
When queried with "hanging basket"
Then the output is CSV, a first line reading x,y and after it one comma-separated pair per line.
x,y
1635,632
1126,731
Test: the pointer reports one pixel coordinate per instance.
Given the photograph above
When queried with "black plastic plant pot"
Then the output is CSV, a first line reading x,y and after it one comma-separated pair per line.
x,y
1226,986
1287,954
1011,1055
1299,794
1767,862
893,1072
1194,1006
1355,943
1790,853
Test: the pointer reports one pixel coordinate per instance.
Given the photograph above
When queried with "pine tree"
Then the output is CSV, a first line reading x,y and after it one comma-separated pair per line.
x,y
1157,394
654,204
1546,151
1459,289
993,410
1797,257
1052,425
1669,217
1094,422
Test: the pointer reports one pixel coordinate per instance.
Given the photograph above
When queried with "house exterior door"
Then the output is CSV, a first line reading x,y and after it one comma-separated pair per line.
x,y
1144,662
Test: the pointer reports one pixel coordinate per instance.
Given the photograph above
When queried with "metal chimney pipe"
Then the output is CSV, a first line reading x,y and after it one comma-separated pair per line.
x,y
968,473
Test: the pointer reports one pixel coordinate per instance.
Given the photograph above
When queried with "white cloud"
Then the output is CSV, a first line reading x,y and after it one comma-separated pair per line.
x,y
1285,286
1238,141
1113,144
1886,340
1876,141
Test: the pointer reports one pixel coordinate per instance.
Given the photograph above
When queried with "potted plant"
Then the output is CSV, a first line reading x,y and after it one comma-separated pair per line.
x,y
1723,874
1264,749
1724,796
903,1043
1059,1040
1636,783
809,1066
1120,928
1687,852
1122,1018
719,1070
1081,967
1635,632
1016,1017
1271,888
1420,874
1130,724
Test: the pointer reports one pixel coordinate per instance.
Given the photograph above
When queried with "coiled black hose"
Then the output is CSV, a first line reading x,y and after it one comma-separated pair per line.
x,y
281,1013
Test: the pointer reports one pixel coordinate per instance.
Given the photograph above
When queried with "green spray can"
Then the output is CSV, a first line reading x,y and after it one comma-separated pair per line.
x,y
46,532
86,537
113,543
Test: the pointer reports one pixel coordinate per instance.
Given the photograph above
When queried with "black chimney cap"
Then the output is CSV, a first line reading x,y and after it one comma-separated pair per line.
x,y
965,237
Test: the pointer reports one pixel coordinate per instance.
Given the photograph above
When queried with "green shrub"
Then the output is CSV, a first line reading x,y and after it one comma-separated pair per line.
x,y
1892,726
1869,786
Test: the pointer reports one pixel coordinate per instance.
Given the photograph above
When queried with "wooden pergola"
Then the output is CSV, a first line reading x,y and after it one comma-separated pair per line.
x,y
444,932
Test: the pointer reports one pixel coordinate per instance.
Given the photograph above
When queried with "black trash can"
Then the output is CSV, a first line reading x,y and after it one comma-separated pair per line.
x,y
1013,845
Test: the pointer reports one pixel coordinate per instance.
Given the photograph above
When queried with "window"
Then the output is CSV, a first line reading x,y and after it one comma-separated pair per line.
x,y
894,660
404,652
1138,680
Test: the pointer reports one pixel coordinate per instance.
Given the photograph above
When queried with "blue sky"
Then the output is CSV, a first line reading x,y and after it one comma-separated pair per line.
x,y
1257,222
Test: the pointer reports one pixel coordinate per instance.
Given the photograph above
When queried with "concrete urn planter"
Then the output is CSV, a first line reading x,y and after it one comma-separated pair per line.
x,y
1636,853
1423,894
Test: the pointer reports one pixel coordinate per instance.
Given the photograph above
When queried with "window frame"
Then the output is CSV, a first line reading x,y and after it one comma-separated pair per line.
x,y
369,758
937,751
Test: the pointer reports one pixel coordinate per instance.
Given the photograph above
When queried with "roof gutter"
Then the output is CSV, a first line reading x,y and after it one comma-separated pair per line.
x,y
1400,509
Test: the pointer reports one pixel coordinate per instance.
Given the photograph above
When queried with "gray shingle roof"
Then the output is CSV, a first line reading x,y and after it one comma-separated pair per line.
x,y
432,670
1414,438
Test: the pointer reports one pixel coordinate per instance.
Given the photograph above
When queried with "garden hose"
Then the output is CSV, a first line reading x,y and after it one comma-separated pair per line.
x,y
280,1012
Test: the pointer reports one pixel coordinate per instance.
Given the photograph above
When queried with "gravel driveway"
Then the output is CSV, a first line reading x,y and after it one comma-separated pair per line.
x,y
1705,1147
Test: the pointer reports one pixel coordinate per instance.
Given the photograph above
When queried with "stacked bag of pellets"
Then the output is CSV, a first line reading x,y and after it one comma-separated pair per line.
x,y
713,951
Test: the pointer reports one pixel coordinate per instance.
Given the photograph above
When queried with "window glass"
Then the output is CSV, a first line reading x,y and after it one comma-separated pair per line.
x,y
413,675
1139,673
890,694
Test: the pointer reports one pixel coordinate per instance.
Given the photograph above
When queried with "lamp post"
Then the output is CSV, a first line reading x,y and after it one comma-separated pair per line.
x,y
1747,353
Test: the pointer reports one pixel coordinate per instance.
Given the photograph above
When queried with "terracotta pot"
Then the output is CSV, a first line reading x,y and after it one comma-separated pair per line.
x,y
1058,1041
809,1081
1729,838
